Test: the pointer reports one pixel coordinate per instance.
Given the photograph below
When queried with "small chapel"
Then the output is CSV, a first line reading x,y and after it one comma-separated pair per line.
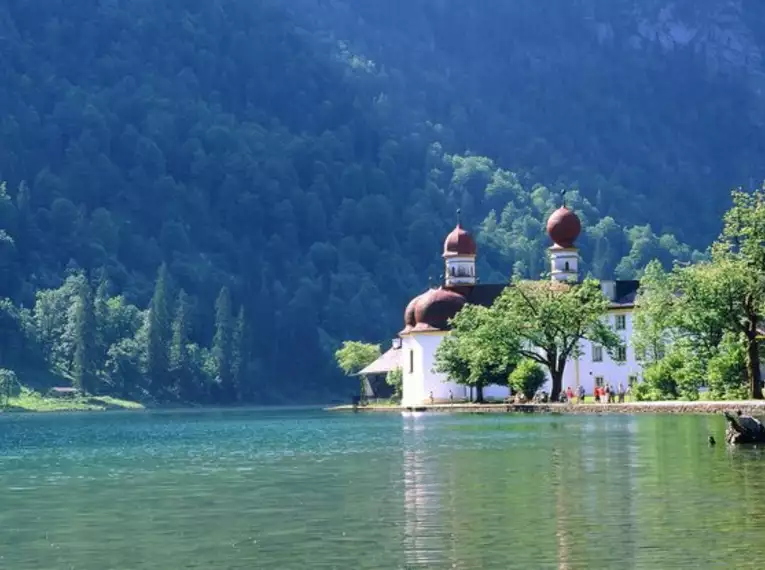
x,y
426,320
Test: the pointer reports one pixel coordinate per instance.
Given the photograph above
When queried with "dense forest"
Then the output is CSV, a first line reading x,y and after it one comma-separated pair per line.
x,y
203,199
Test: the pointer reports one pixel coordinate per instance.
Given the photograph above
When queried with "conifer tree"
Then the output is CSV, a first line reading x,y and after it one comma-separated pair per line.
x,y
101,321
240,357
179,356
222,345
159,334
84,367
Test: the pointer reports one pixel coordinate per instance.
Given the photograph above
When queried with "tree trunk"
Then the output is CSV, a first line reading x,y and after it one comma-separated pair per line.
x,y
753,364
557,384
479,394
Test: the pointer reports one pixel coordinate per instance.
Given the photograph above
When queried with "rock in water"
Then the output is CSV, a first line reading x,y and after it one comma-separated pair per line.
x,y
743,429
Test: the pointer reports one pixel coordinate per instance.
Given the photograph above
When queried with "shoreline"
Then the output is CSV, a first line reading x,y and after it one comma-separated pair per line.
x,y
749,407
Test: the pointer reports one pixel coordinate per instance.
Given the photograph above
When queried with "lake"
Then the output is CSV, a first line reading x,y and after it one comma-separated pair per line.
x,y
283,489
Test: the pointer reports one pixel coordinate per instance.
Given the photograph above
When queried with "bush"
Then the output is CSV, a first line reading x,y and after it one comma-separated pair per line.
x,y
395,379
527,378
726,372
9,385
678,375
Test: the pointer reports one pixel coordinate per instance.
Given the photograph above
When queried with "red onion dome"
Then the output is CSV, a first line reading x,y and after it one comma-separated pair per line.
x,y
434,309
459,242
409,320
564,227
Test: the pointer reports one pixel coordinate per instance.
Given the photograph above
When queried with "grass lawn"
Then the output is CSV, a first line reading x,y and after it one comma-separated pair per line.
x,y
30,401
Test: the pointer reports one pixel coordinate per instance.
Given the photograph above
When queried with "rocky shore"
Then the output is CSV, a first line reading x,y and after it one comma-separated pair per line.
x,y
750,407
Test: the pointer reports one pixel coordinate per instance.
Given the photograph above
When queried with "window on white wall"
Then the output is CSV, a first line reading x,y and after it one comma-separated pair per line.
x,y
599,381
621,354
597,353
621,322
411,362
632,380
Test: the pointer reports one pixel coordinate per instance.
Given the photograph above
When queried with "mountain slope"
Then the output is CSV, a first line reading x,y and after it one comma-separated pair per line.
x,y
245,145
647,106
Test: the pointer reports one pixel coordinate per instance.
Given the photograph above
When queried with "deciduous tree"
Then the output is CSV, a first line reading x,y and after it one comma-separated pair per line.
x,y
480,351
353,356
550,320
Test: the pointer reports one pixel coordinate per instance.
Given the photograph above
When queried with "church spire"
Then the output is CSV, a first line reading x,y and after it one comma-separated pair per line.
x,y
459,256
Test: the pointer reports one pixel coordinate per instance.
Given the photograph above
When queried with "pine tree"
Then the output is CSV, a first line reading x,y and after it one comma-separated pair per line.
x,y
84,370
240,357
101,321
222,345
179,355
159,335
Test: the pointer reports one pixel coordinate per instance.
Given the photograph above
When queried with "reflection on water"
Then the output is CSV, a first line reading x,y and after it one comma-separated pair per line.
x,y
307,489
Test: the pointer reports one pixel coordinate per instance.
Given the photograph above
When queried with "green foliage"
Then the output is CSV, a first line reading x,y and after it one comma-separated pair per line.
x,y
321,199
726,371
158,334
527,378
480,351
679,374
698,315
222,346
550,319
9,385
84,366
395,379
354,356
180,365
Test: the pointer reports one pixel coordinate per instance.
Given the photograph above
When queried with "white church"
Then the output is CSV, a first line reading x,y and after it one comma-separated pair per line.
x,y
427,315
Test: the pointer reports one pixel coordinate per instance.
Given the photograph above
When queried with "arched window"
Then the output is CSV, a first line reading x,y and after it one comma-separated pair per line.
x,y
566,268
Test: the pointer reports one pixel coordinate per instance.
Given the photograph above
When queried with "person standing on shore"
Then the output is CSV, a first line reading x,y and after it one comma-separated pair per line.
x,y
581,394
621,393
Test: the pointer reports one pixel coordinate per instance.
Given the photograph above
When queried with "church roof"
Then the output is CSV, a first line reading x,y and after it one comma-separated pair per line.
x,y
621,295
459,242
387,362
624,293
481,294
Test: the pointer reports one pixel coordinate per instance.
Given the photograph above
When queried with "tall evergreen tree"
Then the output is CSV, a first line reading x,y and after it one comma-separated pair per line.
x,y
84,375
180,370
240,357
222,345
159,335
101,319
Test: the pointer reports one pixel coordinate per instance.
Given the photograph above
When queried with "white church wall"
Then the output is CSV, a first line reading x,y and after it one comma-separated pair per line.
x,y
495,392
420,378
588,371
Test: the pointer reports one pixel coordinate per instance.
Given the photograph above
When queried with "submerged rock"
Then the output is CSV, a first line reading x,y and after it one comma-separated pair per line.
x,y
743,429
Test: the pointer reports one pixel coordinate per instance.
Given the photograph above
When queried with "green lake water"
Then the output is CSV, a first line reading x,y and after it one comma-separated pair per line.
x,y
282,489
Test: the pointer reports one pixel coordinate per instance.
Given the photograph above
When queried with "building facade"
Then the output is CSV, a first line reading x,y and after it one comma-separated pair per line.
x,y
426,320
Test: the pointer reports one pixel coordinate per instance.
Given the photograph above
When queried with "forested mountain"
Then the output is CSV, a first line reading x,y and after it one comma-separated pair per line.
x,y
298,163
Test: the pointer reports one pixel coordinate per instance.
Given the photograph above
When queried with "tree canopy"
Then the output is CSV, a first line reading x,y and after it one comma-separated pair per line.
x,y
354,356
709,311
540,321
479,352
550,319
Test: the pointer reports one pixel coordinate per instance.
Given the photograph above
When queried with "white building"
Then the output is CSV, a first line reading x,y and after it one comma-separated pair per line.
x,y
427,315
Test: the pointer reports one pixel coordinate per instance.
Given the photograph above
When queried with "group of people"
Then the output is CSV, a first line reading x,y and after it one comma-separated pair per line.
x,y
605,394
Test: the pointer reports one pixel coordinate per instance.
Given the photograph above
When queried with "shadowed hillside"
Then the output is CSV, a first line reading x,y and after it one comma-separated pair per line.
x,y
296,165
